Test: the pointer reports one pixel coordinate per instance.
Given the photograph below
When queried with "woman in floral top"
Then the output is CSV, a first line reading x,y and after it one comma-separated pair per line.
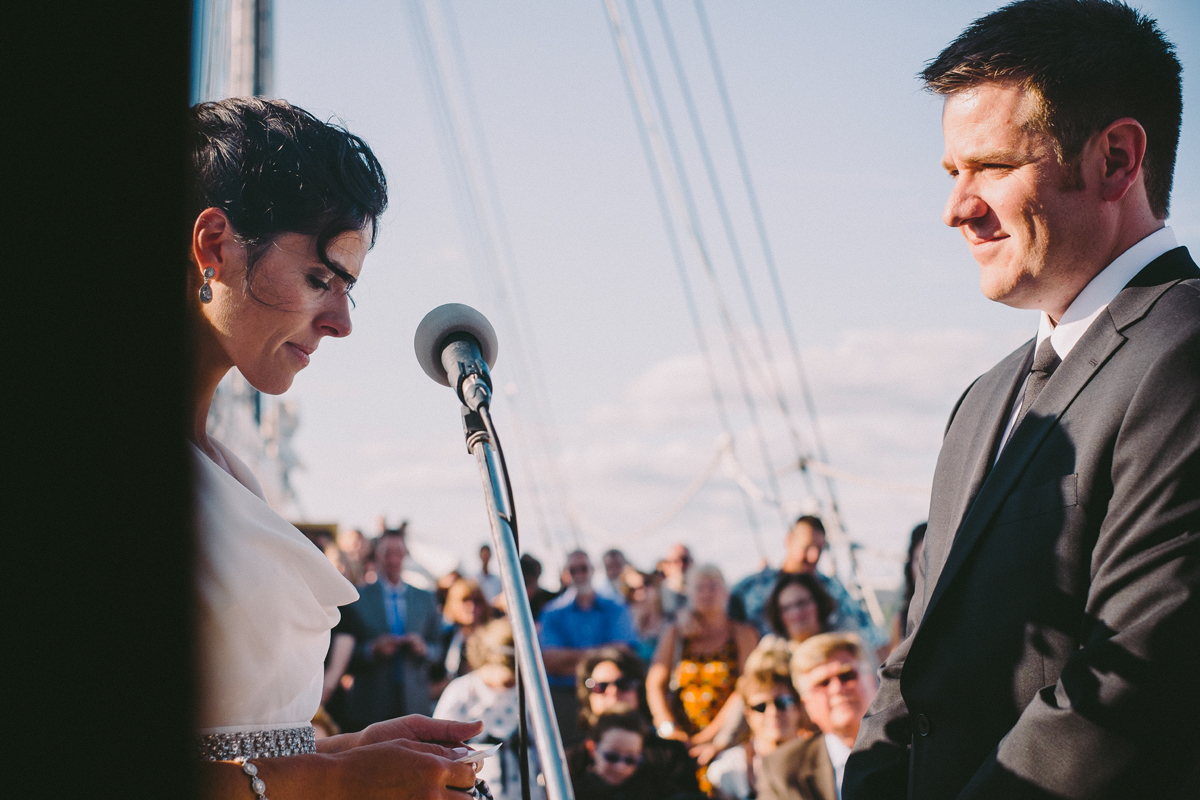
x,y
697,664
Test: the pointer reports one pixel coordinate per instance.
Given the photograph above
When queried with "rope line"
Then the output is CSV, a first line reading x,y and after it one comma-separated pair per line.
x,y
547,431
775,385
653,149
697,236
464,166
765,244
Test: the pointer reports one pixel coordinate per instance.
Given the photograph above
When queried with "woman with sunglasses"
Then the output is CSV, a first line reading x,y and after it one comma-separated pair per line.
x,y
774,715
284,209
612,678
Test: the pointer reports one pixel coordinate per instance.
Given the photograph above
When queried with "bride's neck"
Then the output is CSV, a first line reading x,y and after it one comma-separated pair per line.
x,y
210,364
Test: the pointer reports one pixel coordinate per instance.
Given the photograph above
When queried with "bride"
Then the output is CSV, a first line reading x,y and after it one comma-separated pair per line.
x,y
284,210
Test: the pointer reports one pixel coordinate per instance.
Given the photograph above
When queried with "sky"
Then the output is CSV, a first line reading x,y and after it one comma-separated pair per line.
x,y
844,148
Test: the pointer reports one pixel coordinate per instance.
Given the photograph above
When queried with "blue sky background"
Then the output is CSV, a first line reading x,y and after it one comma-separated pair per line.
x,y
844,147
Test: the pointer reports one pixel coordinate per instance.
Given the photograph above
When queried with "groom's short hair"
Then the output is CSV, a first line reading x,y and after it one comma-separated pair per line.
x,y
1087,63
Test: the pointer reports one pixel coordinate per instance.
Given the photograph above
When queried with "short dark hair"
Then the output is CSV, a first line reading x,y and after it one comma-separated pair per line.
x,y
390,533
825,604
617,719
1088,63
274,168
402,531
530,566
812,521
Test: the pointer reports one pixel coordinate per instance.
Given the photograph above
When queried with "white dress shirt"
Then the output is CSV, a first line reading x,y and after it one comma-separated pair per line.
x,y
1090,303
838,753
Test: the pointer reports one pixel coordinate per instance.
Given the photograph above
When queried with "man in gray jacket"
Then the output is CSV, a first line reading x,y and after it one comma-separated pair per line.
x,y
1052,644
395,627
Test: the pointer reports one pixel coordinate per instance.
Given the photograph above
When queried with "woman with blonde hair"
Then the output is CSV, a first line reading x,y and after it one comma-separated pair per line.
x,y
697,664
774,715
465,612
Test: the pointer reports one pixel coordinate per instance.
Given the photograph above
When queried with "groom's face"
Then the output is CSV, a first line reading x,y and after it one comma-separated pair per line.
x,y
1023,213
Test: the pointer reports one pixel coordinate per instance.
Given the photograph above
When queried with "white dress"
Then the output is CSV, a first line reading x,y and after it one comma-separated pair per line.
x,y
266,601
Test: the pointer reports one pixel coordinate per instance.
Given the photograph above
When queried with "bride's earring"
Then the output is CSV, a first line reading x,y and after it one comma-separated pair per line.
x,y
206,290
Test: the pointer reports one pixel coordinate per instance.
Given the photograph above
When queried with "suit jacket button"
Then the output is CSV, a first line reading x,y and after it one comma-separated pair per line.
x,y
922,724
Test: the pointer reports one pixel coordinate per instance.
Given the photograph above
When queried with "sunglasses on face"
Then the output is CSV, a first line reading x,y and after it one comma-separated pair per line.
x,y
845,677
620,758
600,687
785,702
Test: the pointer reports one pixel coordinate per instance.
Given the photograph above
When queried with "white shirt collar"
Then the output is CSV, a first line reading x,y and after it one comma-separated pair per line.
x,y
1096,296
838,753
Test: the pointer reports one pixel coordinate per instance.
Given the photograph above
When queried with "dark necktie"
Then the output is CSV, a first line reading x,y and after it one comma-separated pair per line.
x,y
1045,361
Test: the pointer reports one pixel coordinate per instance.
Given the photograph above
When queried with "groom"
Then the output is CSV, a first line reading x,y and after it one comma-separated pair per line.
x,y
1052,642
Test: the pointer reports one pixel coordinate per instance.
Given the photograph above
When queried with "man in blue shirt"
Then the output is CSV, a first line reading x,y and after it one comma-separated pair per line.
x,y
571,625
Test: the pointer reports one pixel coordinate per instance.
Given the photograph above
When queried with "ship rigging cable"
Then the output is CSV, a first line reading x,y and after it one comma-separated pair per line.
x,y
685,201
545,431
652,146
695,228
464,164
836,525
775,388
765,243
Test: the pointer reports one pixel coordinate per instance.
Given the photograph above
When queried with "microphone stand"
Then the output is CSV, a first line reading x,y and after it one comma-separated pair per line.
x,y
531,670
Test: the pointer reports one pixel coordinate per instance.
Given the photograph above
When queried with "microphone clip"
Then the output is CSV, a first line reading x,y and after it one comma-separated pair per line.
x,y
474,385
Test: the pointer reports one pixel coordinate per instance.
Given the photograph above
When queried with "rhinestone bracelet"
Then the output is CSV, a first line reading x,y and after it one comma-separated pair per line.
x,y
256,783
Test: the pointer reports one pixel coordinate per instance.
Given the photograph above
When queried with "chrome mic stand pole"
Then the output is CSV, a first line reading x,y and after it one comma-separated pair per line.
x,y
529,653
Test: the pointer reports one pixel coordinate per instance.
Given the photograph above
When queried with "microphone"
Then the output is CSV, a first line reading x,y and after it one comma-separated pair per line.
x,y
455,346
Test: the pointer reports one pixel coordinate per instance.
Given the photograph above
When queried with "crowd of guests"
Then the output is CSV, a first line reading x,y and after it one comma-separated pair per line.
x,y
665,683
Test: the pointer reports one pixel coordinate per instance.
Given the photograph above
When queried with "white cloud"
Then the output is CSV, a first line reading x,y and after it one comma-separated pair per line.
x,y
883,397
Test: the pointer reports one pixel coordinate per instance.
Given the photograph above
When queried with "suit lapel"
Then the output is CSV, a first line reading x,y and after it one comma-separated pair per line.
x,y
1089,355
822,780
375,607
986,437
411,623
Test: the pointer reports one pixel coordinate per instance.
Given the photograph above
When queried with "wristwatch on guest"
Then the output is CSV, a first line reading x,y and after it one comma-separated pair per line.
x,y
666,728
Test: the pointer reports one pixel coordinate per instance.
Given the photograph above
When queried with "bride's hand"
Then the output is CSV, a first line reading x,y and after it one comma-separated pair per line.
x,y
421,729
414,727
403,769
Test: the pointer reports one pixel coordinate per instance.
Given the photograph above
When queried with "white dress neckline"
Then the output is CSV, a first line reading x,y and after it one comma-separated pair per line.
x,y
266,601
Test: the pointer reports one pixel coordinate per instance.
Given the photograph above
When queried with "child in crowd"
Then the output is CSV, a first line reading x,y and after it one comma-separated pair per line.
x,y
614,745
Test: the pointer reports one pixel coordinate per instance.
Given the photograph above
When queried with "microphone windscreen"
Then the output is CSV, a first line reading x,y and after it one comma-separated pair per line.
x,y
442,323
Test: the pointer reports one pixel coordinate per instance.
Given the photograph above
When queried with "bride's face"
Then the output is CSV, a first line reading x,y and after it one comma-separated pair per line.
x,y
270,328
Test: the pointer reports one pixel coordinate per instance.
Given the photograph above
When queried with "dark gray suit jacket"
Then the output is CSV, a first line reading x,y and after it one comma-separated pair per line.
x,y
798,770
389,687
1053,647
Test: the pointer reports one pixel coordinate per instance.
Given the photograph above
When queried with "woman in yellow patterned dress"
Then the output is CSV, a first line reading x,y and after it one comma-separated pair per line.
x,y
697,664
